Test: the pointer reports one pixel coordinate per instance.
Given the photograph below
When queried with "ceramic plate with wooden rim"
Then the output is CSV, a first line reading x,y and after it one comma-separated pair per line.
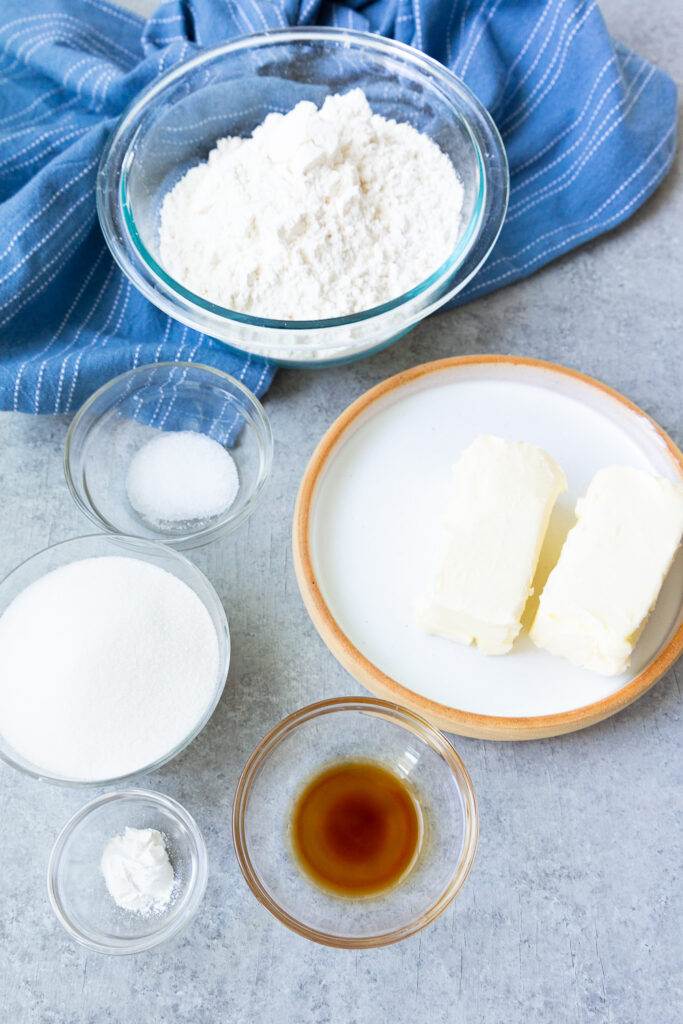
x,y
367,526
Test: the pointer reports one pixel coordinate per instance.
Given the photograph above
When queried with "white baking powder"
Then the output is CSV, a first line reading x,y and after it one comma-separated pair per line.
x,y
137,871
181,475
320,213
106,664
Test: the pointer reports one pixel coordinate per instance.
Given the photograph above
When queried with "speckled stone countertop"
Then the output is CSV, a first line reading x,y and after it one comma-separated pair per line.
x,y
572,913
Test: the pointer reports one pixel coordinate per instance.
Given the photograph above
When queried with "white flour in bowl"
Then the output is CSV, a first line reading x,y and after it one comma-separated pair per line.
x,y
106,665
321,213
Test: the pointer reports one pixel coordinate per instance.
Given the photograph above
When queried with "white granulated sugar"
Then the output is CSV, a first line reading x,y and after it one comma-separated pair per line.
x,y
106,664
137,871
181,476
320,213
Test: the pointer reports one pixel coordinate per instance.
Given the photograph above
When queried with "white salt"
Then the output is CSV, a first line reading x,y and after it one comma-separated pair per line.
x,y
106,664
181,476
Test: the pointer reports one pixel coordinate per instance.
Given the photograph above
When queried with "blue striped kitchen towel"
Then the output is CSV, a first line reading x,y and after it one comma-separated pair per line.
x,y
589,128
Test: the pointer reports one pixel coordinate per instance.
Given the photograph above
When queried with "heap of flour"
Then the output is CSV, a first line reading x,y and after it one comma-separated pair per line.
x,y
320,213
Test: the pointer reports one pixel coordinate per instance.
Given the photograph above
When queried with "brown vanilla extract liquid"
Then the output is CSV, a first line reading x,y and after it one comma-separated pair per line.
x,y
356,829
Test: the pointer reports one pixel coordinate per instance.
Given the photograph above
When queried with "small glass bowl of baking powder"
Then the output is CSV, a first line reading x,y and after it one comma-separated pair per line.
x,y
77,888
174,123
162,402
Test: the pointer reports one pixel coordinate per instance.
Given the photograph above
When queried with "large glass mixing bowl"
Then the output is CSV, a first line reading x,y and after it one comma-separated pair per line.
x,y
229,90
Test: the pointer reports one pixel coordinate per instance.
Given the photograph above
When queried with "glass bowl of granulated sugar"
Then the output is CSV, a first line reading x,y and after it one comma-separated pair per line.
x,y
114,652
304,195
174,452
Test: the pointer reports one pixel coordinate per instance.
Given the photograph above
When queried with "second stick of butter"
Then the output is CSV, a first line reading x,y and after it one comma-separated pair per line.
x,y
504,492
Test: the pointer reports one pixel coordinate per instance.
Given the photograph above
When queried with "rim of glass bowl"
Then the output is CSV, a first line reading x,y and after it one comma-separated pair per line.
x,y
173,924
142,545
194,538
118,224
429,735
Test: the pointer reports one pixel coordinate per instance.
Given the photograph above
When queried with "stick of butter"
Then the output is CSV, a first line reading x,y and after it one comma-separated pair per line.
x,y
598,597
495,525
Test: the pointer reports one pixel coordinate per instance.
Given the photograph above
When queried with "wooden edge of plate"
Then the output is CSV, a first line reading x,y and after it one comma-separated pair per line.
x,y
463,723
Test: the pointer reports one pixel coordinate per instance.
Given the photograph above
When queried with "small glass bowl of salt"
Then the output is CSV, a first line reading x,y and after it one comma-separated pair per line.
x,y
176,452
89,898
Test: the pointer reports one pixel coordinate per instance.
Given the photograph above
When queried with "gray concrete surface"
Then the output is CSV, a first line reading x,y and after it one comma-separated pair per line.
x,y
572,911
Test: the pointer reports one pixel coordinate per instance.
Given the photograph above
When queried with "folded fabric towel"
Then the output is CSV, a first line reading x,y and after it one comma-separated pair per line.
x,y
588,125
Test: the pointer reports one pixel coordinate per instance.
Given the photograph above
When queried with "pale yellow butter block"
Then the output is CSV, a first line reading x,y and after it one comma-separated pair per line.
x,y
503,494
610,571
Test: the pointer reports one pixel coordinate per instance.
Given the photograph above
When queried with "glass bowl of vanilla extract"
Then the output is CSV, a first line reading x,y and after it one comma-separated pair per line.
x,y
355,822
